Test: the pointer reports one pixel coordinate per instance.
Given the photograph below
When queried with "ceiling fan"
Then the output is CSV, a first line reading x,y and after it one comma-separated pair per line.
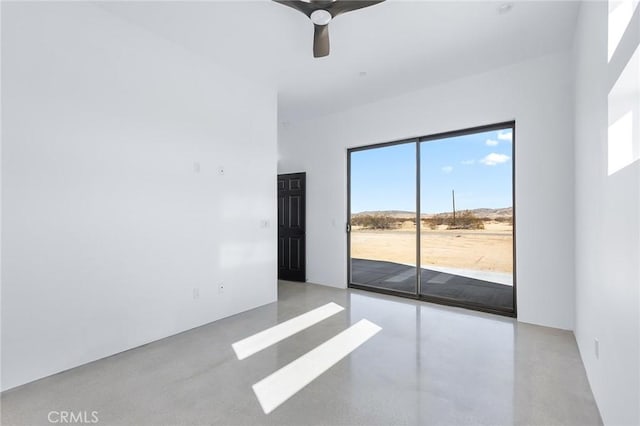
x,y
321,12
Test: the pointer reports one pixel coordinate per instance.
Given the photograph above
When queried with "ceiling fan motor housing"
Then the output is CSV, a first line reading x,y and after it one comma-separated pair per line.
x,y
321,12
321,17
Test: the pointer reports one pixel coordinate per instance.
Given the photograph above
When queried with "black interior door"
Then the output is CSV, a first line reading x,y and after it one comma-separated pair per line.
x,y
291,227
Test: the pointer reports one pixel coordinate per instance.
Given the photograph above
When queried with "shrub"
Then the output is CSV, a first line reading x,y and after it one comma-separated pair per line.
x,y
375,221
429,223
466,220
442,219
508,219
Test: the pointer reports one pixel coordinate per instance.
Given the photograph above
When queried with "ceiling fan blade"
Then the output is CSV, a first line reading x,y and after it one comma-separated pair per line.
x,y
299,5
339,7
320,41
321,4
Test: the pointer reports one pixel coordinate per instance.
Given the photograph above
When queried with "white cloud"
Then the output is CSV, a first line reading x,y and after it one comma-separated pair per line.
x,y
468,162
505,135
447,169
491,142
494,159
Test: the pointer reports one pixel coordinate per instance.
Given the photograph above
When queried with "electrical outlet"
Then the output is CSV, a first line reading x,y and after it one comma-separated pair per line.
x,y
196,293
221,288
596,348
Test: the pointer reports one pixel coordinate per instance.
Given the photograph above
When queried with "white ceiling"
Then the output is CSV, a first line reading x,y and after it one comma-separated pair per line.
x,y
401,45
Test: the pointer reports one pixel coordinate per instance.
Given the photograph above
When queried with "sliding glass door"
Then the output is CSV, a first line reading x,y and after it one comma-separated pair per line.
x,y
466,245
441,205
383,217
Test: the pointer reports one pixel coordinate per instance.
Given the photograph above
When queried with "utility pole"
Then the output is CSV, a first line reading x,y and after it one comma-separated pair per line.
x,y
453,198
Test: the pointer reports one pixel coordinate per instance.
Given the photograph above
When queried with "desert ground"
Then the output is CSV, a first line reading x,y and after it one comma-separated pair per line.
x,y
489,249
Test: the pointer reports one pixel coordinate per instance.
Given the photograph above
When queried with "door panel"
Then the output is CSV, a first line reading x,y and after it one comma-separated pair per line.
x,y
295,218
467,215
291,227
295,261
383,218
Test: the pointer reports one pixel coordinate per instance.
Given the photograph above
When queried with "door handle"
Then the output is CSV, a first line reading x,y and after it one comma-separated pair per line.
x,y
348,228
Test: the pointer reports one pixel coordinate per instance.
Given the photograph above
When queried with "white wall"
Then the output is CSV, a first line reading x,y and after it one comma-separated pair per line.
x,y
107,227
537,94
607,230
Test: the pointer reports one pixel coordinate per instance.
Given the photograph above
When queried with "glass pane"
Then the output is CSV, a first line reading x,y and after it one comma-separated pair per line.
x,y
383,217
466,250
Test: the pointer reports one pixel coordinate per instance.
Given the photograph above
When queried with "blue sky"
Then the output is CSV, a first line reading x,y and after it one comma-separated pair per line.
x,y
477,167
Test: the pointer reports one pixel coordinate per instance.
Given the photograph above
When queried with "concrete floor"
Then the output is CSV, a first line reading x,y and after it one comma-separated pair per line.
x,y
430,365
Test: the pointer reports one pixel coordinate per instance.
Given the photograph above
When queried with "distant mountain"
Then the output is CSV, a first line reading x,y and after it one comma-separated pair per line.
x,y
493,213
402,214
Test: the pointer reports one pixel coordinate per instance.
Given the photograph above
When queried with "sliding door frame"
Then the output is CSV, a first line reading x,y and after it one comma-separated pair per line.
x,y
417,295
415,141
